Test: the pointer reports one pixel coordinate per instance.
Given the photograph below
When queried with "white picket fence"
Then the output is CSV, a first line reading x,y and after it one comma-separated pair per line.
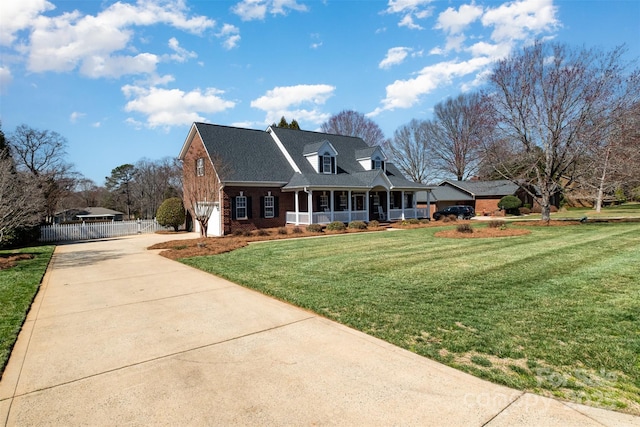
x,y
97,230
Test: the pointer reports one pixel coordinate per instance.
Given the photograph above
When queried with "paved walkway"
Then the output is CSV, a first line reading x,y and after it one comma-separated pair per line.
x,y
121,336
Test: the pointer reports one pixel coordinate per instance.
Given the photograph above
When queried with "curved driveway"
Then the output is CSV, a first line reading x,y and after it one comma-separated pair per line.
x,y
119,335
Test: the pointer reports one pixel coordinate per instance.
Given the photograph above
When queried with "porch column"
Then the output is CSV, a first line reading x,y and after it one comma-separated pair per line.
x,y
402,197
388,204
331,204
297,205
366,205
310,206
429,204
349,205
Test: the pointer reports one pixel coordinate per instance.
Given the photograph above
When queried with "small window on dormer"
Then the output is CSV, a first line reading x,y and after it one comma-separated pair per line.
x,y
377,163
327,163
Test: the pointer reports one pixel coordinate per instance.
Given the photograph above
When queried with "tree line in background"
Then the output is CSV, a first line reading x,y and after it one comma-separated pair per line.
x,y
551,118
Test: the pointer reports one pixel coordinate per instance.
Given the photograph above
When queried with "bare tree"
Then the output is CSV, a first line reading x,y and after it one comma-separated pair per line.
x,y
20,198
202,188
154,182
42,154
352,123
38,151
409,151
456,134
612,162
551,102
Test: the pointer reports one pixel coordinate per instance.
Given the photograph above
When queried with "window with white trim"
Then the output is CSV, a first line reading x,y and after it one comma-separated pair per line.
x,y
324,202
269,206
326,163
343,201
241,207
200,166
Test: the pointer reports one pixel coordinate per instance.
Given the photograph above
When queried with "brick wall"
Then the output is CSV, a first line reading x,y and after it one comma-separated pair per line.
x,y
488,206
231,225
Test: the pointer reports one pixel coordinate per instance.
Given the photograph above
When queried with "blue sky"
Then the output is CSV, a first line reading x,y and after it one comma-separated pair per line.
x,y
124,80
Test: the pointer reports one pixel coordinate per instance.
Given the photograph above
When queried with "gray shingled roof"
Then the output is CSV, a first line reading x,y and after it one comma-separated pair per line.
x,y
485,188
364,153
251,155
313,147
295,142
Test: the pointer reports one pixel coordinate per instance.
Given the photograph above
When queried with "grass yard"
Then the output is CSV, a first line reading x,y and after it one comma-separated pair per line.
x,y
18,287
556,312
626,210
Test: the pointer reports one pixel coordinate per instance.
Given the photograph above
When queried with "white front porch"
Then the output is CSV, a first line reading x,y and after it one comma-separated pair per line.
x,y
325,206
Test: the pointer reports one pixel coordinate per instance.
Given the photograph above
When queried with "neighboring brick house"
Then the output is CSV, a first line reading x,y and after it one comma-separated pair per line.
x,y
483,196
284,176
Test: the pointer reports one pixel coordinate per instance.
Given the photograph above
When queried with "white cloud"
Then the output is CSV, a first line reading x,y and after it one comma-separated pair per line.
x,y
230,34
410,10
513,24
395,56
5,78
249,10
170,107
117,66
519,20
406,93
454,21
19,15
75,116
317,44
288,101
91,43
180,54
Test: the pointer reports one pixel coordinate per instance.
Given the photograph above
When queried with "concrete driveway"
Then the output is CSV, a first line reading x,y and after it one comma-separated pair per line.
x,y
119,335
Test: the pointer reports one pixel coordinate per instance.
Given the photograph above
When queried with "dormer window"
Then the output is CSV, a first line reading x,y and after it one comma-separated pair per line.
x,y
327,163
377,163
371,158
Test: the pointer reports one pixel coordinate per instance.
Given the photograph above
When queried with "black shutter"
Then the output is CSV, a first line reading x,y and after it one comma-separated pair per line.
x,y
233,208
333,165
261,206
249,213
320,163
373,164
276,207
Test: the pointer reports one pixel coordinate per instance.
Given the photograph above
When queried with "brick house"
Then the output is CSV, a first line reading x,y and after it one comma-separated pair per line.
x,y
483,196
284,176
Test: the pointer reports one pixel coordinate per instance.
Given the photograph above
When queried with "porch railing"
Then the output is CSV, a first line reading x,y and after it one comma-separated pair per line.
x,y
343,216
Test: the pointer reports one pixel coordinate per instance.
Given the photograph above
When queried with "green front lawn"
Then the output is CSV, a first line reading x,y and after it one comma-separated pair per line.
x,y
627,210
556,312
18,287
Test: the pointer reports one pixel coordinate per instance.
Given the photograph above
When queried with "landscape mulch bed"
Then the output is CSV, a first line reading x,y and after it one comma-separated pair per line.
x,y
187,248
10,260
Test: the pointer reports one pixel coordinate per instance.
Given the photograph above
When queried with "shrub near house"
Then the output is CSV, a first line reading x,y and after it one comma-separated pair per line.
x,y
510,204
171,213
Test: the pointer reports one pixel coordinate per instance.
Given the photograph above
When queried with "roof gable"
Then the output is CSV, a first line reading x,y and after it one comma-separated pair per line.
x,y
369,153
249,155
320,147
